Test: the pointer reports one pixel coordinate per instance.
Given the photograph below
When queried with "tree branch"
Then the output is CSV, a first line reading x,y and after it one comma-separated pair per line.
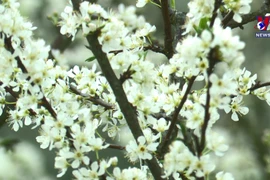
x,y
251,16
76,4
259,85
167,140
179,17
216,7
126,75
213,58
115,146
127,109
168,40
45,102
227,18
178,109
92,99
153,47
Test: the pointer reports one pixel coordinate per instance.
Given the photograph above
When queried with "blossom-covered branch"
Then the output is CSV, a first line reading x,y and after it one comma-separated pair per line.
x,y
265,8
92,99
126,108
161,116
168,138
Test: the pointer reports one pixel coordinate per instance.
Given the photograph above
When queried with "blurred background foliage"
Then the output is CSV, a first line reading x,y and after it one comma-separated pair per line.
x,y
246,156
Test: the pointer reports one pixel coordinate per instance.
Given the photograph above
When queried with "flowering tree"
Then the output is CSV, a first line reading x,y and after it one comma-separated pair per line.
x,y
170,109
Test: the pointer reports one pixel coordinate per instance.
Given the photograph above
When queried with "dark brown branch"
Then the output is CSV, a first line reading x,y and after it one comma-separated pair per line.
x,y
168,39
206,120
186,134
76,4
45,102
48,106
214,14
9,47
154,48
16,96
228,22
126,75
114,146
11,92
127,109
227,18
259,85
92,99
251,16
167,140
178,109
213,58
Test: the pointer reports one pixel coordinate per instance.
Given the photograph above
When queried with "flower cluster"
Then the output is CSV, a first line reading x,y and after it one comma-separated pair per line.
x,y
143,149
238,8
180,159
200,10
76,109
115,28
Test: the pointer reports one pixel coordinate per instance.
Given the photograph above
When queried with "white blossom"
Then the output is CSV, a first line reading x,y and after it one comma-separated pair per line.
x,y
78,113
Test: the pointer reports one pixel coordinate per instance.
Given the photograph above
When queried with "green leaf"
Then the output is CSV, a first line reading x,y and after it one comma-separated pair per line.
x,y
173,4
203,23
90,59
197,29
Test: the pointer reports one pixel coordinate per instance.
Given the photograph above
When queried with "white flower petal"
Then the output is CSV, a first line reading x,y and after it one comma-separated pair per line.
x,y
235,116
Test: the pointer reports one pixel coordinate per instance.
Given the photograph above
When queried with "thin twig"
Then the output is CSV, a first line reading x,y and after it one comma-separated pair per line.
x,y
227,18
251,16
45,102
11,92
259,85
16,96
178,109
229,22
115,146
171,132
153,47
48,106
126,75
92,99
213,54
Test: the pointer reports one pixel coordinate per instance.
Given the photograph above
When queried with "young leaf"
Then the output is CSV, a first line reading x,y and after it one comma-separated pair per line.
x,y
203,23
90,59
